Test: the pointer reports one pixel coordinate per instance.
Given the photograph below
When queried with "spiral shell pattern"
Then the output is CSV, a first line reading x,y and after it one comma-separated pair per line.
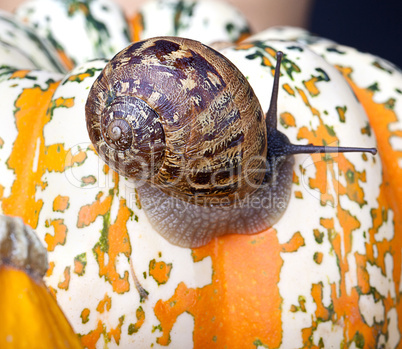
x,y
180,115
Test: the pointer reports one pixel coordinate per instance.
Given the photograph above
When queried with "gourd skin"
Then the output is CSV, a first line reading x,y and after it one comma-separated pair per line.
x,y
100,26
107,229
21,47
94,226
190,125
207,21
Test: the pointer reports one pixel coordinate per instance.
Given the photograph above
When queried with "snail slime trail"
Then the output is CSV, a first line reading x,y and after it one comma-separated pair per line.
x,y
182,121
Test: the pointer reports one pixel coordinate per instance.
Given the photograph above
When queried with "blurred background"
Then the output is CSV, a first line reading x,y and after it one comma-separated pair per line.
x,y
371,26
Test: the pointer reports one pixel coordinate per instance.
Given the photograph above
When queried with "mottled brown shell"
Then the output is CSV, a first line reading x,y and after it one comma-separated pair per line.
x,y
181,116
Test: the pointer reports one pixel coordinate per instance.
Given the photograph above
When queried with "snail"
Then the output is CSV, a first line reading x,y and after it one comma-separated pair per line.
x,y
182,121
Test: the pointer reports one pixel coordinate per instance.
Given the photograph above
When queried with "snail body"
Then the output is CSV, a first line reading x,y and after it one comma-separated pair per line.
x,y
182,121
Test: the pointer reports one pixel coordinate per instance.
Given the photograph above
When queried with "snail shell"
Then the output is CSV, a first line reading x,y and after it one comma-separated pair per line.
x,y
181,120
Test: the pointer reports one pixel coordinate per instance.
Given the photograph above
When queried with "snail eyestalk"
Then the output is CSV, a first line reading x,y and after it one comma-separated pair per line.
x,y
310,149
279,145
271,116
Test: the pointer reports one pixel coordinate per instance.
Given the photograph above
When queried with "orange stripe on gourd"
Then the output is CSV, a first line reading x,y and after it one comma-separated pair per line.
x,y
243,297
30,158
380,117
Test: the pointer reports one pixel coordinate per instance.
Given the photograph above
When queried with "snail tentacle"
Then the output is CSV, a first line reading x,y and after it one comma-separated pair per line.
x,y
279,146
